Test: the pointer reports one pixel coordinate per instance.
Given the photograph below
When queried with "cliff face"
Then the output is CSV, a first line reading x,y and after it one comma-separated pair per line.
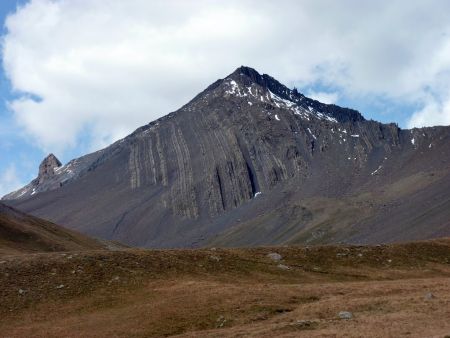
x,y
247,161
47,168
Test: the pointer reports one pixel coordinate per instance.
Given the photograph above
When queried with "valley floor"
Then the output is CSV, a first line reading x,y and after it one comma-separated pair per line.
x,y
392,291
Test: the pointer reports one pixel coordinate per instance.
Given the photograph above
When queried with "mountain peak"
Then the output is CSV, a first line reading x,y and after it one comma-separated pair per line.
x,y
47,167
248,75
244,77
248,72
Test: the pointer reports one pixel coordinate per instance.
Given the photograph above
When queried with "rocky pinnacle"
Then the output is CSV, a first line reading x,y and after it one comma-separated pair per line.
x,y
47,168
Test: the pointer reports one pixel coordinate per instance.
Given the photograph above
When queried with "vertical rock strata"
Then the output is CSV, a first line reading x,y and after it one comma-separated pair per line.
x,y
176,180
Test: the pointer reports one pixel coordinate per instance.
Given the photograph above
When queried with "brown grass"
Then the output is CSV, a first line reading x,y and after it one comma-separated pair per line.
x,y
21,233
229,292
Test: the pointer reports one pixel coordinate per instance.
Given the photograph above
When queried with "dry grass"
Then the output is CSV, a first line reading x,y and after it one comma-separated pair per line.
x,y
21,233
229,292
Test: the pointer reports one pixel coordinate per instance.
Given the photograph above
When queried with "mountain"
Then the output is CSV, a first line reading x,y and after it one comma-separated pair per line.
x,y
21,233
251,162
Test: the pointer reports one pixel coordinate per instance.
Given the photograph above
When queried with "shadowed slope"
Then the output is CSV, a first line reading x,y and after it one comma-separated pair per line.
x,y
21,233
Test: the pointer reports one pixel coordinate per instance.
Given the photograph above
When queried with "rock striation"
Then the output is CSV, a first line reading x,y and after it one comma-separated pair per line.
x,y
249,162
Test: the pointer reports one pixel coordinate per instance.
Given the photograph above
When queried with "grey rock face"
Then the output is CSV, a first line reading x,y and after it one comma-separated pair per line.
x,y
52,175
244,163
47,168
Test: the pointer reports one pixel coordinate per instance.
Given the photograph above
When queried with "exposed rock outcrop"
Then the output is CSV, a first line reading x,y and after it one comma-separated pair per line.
x,y
191,177
47,168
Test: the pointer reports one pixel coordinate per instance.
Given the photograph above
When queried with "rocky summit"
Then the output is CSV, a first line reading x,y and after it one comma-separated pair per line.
x,y
251,162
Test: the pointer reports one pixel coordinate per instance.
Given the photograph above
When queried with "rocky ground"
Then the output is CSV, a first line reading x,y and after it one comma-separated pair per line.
x,y
329,291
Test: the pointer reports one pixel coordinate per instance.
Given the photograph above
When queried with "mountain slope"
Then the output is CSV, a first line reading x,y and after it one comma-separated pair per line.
x,y
250,162
21,233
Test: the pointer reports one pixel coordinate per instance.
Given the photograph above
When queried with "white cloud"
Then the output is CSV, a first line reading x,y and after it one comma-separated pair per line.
x,y
432,114
9,180
106,67
324,97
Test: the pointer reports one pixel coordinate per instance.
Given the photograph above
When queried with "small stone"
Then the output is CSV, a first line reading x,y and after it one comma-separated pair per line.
x,y
22,292
221,321
274,256
214,258
60,286
429,296
305,324
283,267
345,315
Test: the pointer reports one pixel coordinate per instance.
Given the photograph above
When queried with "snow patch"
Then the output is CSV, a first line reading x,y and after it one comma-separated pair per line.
x,y
234,89
314,136
374,172
257,193
276,117
278,100
23,192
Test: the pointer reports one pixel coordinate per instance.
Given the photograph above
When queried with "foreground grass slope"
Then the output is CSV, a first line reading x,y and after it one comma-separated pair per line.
x,y
392,290
22,233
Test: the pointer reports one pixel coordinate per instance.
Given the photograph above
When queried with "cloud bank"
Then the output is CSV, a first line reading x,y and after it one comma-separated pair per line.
x,y
99,69
323,97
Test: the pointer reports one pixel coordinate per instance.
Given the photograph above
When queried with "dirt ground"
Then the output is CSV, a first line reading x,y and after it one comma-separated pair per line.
x,y
398,290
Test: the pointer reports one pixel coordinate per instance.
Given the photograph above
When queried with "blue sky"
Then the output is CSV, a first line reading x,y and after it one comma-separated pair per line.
x,y
18,156
77,75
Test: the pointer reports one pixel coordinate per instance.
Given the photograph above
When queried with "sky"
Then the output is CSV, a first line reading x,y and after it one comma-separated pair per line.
x,y
77,75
